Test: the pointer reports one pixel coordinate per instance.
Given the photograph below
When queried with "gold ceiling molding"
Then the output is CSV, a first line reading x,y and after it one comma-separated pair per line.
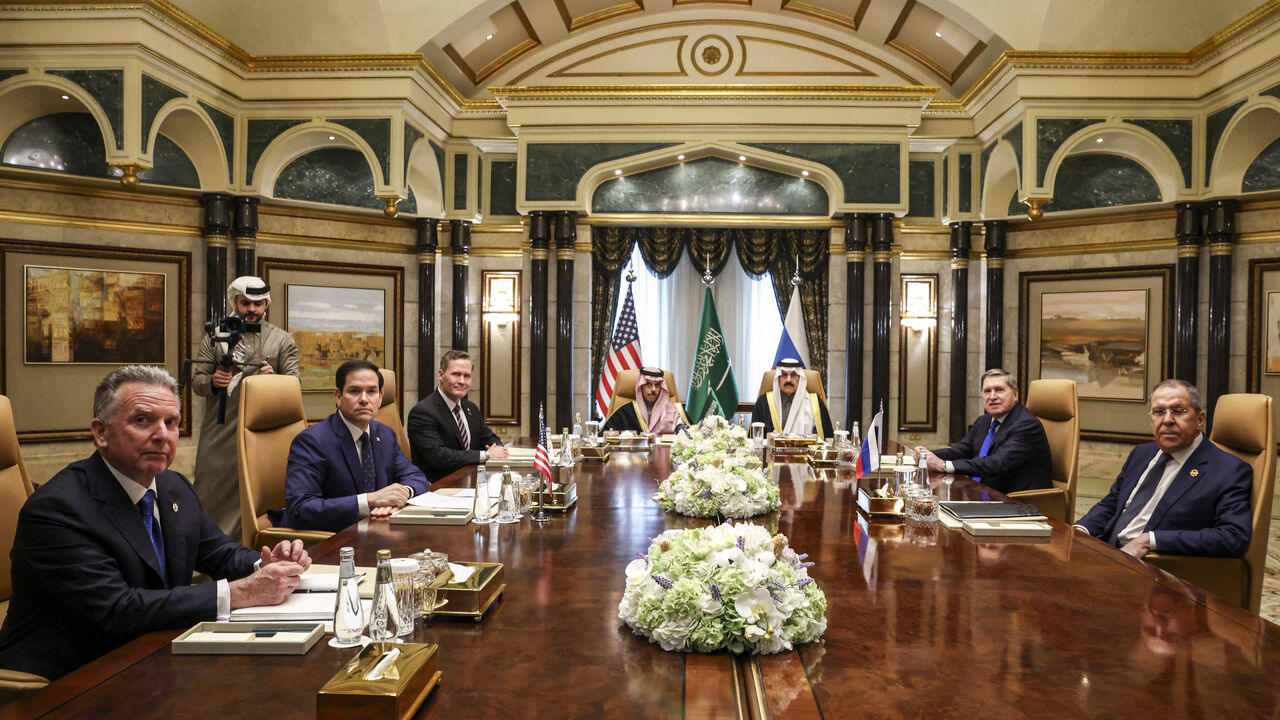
x,y
835,18
918,93
573,24
709,220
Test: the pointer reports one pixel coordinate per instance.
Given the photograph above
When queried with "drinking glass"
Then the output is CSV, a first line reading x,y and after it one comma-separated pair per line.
x,y
592,431
528,486
926,505
757,434
424,595
402,571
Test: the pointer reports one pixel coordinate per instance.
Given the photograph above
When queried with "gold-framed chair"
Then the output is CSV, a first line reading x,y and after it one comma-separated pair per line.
x,y
812,383
389,411
1056,403
15,488
271,415
1243,426
624,391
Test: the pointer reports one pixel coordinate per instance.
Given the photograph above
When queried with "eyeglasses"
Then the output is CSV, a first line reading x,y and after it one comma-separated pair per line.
x,y
1176,412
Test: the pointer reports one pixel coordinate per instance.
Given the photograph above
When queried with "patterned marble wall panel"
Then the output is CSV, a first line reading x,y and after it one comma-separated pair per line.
x,y
964,182
870,171
1014,137
460,165
1273,91
1214,126
63,142
1051,133
171,166
920,188
6,74
337,176
1095,180
409,204
1264,171
552,170
502,188
946,187
154,95
411,136
376,132
226,126
711,185
1176,134
106,87
259,135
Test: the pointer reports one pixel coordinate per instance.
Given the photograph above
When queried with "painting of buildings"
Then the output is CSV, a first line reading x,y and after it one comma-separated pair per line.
x,y
1097,338
331,325
77,315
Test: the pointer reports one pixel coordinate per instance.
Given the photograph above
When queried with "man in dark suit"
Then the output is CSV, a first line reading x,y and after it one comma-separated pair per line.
x,y
446,430
1006,448
1180,494
348,466
105,550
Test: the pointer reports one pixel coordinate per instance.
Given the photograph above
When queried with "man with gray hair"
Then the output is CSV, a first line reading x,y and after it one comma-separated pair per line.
x,y
262,348
1180,494
105,551
1006,448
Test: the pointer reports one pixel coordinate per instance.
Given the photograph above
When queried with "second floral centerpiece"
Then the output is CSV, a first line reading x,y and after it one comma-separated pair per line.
x,y
729,486
709,438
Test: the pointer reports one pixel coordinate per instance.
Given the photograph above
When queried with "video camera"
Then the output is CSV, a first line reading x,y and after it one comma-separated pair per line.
x,y
224,335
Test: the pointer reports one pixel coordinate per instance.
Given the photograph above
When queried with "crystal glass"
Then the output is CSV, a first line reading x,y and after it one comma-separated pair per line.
x,y
440,560
592,431
926,506
908,493
424,595
528,486
402,571
757,434
904,476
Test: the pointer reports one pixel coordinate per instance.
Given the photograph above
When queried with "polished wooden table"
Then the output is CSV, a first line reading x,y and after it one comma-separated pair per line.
x,y
923,622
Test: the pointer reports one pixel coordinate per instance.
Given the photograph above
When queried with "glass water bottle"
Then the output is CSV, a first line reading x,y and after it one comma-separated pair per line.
x,y
348,615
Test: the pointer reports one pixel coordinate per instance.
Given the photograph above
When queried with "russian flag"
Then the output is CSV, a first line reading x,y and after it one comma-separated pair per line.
x,y
869,458
793,343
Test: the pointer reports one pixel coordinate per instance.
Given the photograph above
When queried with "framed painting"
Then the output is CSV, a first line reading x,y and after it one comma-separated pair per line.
x,y
72,313
1262,351
1107,330
335,313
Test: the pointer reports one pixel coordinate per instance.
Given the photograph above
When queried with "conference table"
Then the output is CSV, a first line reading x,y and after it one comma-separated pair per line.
x,y
924,621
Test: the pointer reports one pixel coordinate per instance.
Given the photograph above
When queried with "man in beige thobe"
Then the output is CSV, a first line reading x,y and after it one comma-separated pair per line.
x,y
270,350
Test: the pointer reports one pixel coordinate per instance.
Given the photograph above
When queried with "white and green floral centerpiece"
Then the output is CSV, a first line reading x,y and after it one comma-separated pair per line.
x,y
728,486
733,587
711,437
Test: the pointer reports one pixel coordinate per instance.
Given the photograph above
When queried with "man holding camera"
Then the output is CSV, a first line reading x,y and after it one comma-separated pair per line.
x,y
241,344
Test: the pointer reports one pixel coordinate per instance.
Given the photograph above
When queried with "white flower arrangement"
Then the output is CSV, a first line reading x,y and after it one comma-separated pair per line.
x,y
712,436
729,486
733,586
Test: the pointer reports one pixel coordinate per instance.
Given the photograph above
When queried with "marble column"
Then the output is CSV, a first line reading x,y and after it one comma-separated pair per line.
x,y
1221,231
216,230
539,247
1186,299
428,241
855,245
566,238
881,298
460,243
961,235
995,246
245,232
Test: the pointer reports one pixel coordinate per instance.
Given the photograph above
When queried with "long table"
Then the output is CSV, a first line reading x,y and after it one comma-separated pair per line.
x,y
924,621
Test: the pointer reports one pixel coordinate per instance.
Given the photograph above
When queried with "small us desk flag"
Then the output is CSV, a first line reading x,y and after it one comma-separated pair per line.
x,y
712,390
625,353
868,460
794,343
541,458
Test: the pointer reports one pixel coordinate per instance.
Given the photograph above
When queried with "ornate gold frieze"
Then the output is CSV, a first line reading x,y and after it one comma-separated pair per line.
x,y
686,93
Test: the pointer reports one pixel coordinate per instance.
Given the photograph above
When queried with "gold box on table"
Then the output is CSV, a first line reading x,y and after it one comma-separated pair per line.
x,y
563,496
474,597
396,695
594,453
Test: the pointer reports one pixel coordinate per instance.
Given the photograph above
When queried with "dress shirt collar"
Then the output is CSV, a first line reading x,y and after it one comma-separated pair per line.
x,y
129,485
355,431
448,401
1180,456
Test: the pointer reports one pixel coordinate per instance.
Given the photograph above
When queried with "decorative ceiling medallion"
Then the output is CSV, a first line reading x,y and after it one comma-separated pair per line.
x,y
711,55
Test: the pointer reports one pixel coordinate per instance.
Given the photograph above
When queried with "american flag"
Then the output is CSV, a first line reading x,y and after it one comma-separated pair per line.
x,y
541,459
624,356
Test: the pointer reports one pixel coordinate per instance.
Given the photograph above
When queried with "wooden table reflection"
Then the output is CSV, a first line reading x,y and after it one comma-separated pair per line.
x,y
924,622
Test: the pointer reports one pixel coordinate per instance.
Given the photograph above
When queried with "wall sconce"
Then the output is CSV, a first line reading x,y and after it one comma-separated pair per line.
x,y
919,302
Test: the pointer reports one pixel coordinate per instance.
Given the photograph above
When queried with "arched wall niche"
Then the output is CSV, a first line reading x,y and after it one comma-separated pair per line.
x,y
190,127
1128,141
302,139
1000,181
1254,127
24,98
422,175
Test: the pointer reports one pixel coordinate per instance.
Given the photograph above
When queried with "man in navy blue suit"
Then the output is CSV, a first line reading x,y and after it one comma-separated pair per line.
x,y
1180,494
348,466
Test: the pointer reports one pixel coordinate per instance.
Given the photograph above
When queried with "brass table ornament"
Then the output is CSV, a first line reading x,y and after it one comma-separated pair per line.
x,y
381,681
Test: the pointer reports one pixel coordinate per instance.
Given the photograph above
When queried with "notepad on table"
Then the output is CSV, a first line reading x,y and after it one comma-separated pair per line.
x,y
988,510
1007,528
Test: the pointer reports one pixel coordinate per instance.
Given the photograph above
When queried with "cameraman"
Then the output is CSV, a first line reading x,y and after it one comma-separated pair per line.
x,y
266,350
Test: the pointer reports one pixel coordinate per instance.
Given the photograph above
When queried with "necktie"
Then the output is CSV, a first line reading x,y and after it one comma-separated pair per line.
x,y
462,427
147,506
1146,488
366,463
986,444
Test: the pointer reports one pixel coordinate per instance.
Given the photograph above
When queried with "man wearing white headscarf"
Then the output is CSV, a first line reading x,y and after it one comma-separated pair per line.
x,y
263,349
789,407
652,410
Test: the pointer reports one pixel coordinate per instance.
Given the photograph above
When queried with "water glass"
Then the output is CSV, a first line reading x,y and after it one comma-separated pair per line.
x,y
402,571
757,434
528,486
592,431
926,506
424,595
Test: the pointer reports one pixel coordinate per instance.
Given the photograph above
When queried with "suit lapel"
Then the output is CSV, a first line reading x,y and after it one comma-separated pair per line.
x,y
123,515
175,541
1182,483
1001,432
348,448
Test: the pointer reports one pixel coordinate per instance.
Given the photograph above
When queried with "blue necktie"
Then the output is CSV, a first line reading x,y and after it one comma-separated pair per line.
x,y
1146,488
366,463
147,507
986,444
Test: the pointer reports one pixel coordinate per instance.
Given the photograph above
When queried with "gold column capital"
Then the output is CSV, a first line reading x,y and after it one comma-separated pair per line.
x,y
539,253
1220,248
960,263
461,259
856,256
994,263
246,243
426,258
883,256
565,253
1188,251
215,241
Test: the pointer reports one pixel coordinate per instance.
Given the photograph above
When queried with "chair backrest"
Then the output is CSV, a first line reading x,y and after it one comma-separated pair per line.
x,y
624,389
1243,426
1057,405
389,411
15,488
271,415
812,383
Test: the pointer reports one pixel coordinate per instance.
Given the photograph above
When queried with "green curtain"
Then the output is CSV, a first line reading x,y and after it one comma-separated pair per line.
x,y
611,249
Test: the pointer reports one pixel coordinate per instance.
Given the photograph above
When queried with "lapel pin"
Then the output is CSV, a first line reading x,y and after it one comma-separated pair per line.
x,y
175,507
1195,473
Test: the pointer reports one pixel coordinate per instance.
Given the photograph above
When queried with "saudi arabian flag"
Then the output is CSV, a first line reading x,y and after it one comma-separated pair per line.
x,y
712,390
